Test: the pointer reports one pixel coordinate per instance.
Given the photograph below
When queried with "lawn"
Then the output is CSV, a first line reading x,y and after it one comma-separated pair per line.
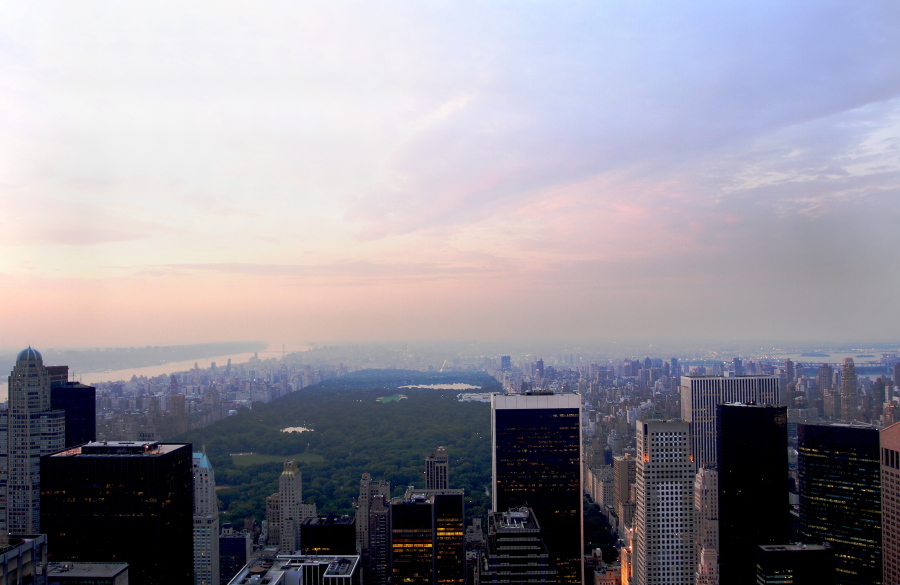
x,y
248,459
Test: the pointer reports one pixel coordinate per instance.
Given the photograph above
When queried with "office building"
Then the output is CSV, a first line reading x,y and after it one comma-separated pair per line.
x,y
328,535
849,393
437,470
664,529
839,474
206,522
536,444
889,438
701,394
515,551
38,430
128,502
505,363
78,401
427,537
706,515
234,552
753,486
794,564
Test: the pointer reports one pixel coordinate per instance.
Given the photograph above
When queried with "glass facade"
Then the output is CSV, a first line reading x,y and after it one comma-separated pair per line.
x,y
840,497
537,464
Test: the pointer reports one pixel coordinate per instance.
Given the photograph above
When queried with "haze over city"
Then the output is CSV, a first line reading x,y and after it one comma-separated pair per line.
x,y
193,172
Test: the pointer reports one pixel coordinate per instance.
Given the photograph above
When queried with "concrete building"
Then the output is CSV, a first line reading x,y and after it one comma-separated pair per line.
x,y
890,502
664,494
849,393
122,502
38,430
515,551
23,559
701,394
291,509
624,470
206,522
437,470
536,446
706,514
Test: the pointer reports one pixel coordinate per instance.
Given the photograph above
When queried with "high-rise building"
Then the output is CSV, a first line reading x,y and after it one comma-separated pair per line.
x,y
753,470
664,516
624,469
536,444
427,538
291,509
29,428
505,363
789,371
122,502
701,394
328,535
234,552
849,393
890,502
437,470
737,367
206,522
839,475
706,515
373,529
516,552
79,402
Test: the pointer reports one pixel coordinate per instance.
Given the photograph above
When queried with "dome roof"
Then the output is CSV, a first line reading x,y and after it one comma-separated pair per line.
x,y
29,355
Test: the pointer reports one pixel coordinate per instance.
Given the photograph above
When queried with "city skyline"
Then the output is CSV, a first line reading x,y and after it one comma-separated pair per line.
x,y
451,171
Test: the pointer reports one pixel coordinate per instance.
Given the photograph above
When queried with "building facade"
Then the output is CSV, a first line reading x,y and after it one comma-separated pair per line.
x,y
839,472
437,470
890,502
701,394
128,502
29,428
536,445
663,531
206,522
752,463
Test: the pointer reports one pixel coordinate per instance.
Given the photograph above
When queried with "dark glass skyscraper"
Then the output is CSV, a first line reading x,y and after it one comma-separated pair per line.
x,y
751,456
536,442
840,497
122,502
79,401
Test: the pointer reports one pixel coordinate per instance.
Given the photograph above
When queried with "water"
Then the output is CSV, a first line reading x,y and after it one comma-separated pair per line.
x,y
93,378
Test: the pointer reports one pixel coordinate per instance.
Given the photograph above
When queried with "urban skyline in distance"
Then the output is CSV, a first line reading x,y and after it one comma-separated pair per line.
x,y
417,172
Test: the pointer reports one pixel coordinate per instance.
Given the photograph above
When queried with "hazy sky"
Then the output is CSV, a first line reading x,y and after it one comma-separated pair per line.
x,y
175,172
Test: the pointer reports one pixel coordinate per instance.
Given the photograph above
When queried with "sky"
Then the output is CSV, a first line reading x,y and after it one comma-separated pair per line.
x,y
179,172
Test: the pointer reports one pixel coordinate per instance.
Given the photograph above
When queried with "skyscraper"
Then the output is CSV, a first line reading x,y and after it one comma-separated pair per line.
x,y
206,522
29,428
706,515
753,490
701,394
664,516
890,502
840,496
427,538
849,394
437,470
292,510
536,444
122,502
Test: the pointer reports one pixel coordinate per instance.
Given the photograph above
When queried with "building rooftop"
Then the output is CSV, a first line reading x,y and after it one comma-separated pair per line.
x,y
791,547
96,570
28,355
266,569
121,448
